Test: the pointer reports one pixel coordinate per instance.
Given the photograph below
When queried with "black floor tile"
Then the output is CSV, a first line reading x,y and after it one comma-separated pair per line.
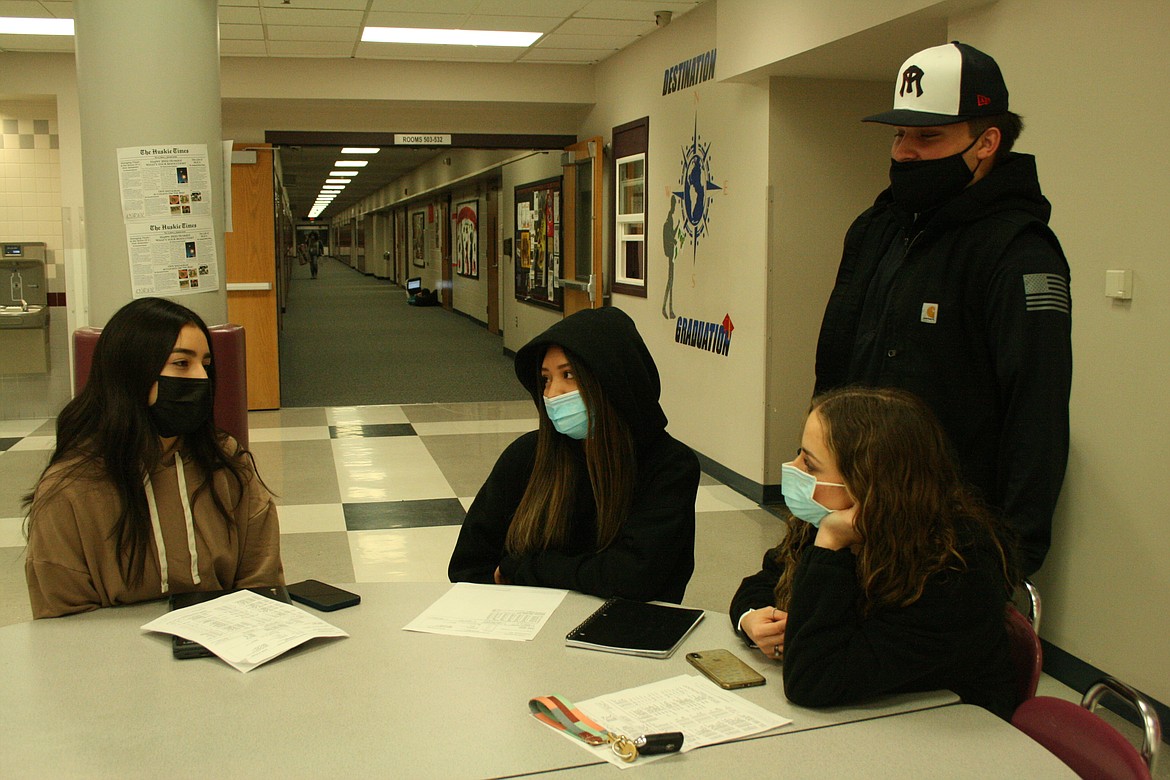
x,y
356,430
403,514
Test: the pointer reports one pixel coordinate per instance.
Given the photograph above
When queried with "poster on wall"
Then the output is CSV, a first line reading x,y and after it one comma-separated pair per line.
x,y
418,249
467,238
172,257
538,242
166,208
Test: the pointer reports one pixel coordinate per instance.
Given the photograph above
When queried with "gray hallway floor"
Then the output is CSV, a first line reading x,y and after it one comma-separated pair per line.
x,y
350,339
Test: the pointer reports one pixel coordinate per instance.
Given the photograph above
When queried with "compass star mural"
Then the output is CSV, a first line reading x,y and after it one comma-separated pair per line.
x,y
697,186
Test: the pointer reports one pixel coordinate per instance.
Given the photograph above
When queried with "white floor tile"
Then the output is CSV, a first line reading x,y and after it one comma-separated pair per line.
x,y
308,433
10,429
403,555
365,415
721,498
311,518
34,443
473,426
387,468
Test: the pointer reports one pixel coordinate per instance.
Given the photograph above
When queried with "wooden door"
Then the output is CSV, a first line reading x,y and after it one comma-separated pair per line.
x,y
582,271
251,261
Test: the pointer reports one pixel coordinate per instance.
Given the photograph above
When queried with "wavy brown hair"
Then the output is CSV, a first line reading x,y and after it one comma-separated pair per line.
x,y
915,516
544,515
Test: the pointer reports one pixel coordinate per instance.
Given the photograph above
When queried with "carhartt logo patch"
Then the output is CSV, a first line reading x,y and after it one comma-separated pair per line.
x,y
911,81
929,313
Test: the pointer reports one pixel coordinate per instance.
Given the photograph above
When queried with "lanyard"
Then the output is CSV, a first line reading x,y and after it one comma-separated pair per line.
x,y
560,713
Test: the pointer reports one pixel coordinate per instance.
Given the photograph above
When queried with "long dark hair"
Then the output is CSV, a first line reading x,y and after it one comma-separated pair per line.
x,y
106,432
544,515
915,516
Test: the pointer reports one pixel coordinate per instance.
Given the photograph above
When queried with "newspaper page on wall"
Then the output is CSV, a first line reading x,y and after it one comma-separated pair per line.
x,y
166,204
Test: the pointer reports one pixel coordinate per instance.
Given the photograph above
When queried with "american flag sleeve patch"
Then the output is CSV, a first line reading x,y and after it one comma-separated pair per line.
x,y
1046,292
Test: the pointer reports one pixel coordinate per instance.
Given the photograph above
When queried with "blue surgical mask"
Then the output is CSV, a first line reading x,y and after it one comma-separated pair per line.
x,y
568,414
798,488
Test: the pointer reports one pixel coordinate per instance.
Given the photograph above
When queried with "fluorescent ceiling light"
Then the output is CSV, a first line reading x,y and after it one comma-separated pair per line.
x,y
361,150
344,173
335,187
449,37
20,25
351,163
337,181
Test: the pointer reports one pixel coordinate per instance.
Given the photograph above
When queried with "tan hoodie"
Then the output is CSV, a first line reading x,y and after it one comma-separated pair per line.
x,y
72,564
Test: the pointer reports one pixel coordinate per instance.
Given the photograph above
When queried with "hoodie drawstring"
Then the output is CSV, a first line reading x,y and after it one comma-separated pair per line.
x,y
188,522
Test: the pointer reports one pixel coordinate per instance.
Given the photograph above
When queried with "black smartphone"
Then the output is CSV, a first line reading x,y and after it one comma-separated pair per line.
x,y
322,596
184,648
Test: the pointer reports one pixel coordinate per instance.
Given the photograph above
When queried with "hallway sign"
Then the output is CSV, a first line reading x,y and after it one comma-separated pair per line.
x,y
422,139
166,207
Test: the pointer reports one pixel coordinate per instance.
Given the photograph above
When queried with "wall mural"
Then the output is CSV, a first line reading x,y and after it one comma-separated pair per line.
x,y
688,218
467,238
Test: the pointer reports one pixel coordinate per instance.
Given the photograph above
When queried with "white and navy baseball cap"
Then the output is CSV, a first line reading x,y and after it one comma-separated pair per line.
x,y
944,85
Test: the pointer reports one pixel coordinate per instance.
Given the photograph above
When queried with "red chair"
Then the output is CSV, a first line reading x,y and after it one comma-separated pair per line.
x,y
1027,656
231,378
1088,744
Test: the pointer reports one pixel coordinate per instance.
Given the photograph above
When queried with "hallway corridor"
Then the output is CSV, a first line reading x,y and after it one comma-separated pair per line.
x,y
350,339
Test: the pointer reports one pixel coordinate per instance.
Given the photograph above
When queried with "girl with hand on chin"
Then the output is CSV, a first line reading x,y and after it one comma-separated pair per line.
x,y
600,498
143,497
892,577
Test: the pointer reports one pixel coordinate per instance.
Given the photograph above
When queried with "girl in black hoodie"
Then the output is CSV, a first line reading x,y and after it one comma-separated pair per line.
x,y
600,498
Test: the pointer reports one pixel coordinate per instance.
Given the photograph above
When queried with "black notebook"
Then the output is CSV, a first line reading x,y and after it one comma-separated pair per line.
x,y
635,628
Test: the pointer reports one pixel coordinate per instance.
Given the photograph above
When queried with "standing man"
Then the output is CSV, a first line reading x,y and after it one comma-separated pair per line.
x,y
952,286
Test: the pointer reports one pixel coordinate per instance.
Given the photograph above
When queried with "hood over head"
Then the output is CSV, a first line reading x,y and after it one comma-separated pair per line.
x,y
611,348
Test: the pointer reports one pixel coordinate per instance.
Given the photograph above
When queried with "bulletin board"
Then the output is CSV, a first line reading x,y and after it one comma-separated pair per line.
x,y
537,256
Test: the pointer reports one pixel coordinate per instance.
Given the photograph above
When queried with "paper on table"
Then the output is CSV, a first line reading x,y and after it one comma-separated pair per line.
x,y
705,713
511,612
245,629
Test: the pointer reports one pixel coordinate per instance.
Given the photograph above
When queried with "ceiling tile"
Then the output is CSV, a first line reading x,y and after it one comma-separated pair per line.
x,y
330,5
605,27
442,21
448,6
530,7
241,32
297,16
638,10
560,41
239,15
278,32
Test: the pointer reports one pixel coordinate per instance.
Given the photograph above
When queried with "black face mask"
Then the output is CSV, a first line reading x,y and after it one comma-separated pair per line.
x,y
920,185
181,407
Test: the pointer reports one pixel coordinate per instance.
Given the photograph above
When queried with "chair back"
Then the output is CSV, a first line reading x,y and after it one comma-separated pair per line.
x,y
231,377
1082,740
1027,656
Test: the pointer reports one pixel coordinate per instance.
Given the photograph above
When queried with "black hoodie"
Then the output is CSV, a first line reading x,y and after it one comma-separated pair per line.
x,y
653,556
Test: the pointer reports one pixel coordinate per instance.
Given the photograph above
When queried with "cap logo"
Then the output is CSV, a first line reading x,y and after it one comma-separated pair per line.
x,y
982,100
911,81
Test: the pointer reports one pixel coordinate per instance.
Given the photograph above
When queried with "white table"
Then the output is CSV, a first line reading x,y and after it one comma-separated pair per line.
x,y
91,695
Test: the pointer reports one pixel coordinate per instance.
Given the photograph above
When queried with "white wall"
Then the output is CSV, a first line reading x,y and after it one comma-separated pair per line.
x,y
1090,79
715,403
826,167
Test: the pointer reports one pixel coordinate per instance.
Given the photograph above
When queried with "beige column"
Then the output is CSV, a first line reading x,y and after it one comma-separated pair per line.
x,y
147,75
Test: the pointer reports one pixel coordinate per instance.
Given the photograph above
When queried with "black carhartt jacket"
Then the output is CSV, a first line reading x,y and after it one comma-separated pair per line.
x,y
968,307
